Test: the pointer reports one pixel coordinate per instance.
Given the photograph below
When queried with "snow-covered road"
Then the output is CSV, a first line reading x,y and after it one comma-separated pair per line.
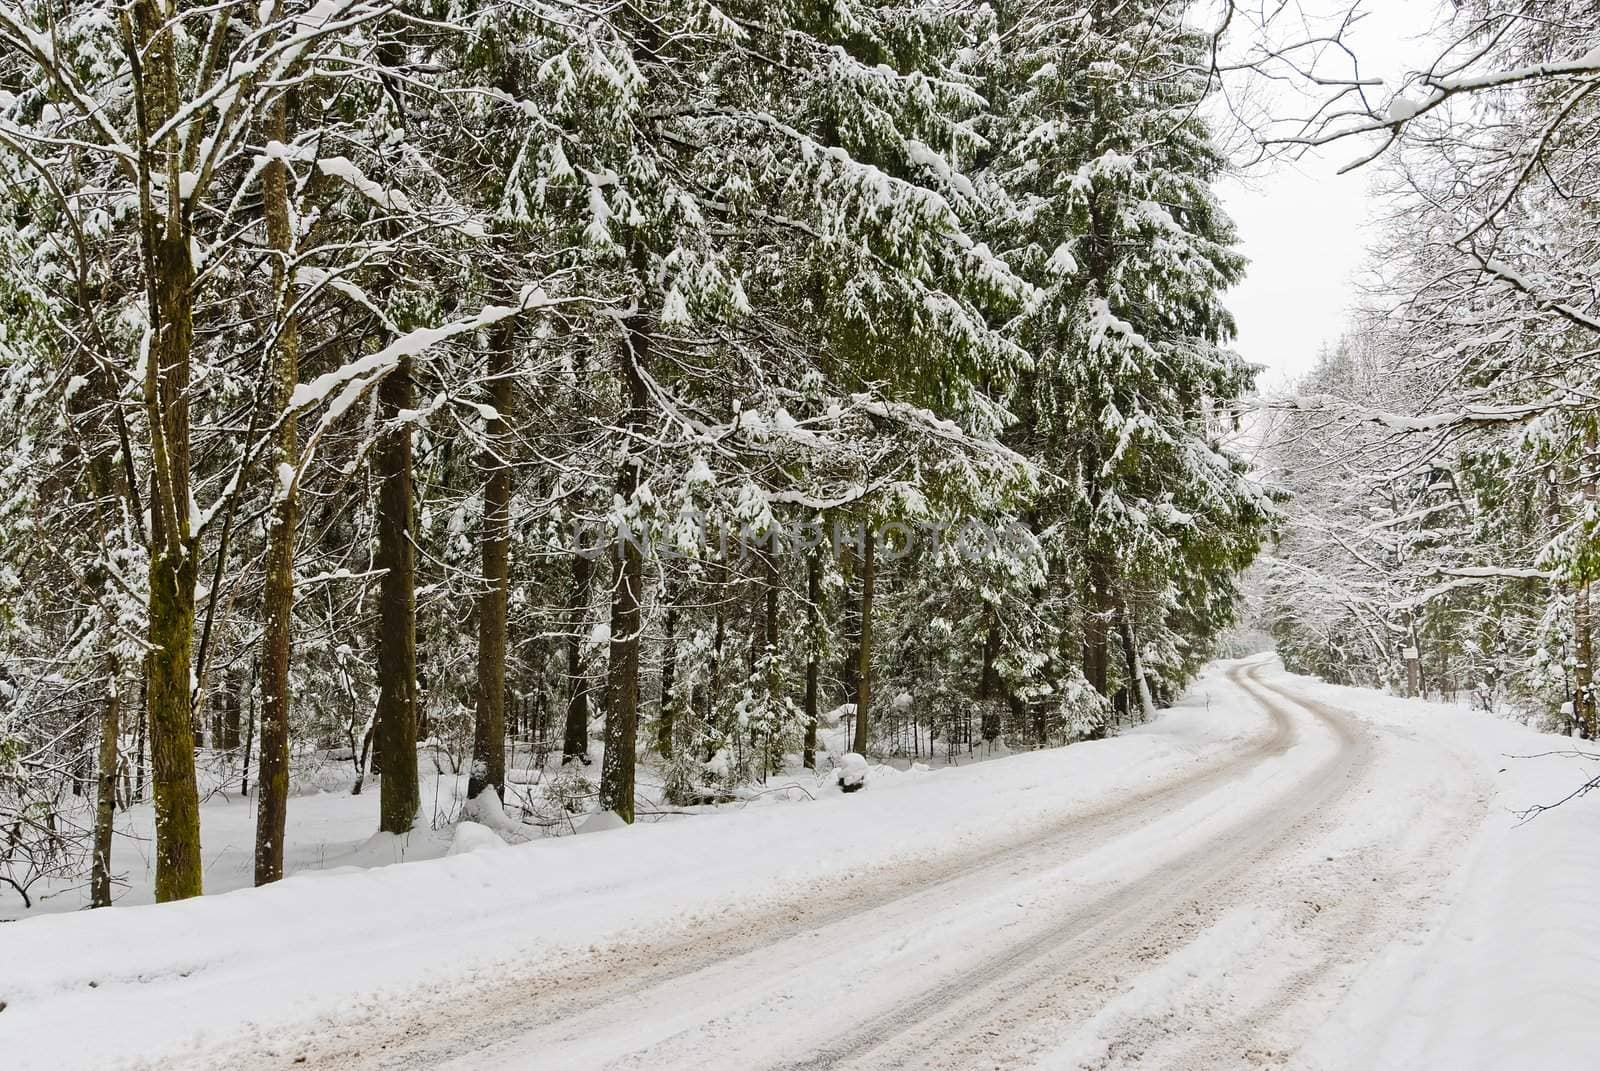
x,y
1204,922
1275,873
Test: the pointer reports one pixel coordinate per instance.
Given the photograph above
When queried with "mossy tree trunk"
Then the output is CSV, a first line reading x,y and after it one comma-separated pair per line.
x,y
169,274
172,773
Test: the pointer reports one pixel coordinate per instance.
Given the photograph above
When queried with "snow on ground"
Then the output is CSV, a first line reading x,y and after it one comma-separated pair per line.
x,y
330,829
1509,975
162,978
1493,968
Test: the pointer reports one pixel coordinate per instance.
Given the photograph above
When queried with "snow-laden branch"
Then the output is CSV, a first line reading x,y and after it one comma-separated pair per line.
x,y
375,366
1343,409
357,377
1520,283
1330,124
40,47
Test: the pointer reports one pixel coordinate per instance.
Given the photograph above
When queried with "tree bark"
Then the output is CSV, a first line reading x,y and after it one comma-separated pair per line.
x,y
989,680
622,677
1130,650
105,809
277,610
713,690
575,738
1583,696
852,627
172,775
169,271
773,683
489,726
864,649
813,661
397,636
231,714
666,722
1096,662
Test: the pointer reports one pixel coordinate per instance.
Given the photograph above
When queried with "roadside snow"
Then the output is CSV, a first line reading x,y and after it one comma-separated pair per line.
x,y
329,830
1507,976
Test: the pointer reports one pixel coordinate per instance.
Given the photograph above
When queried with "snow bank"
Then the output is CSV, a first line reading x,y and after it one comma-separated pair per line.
x,y
472,837
1506,978
160,980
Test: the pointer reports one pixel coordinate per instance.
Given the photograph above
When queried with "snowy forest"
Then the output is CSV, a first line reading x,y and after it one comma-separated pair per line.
x,y
599,407
511,386
433,433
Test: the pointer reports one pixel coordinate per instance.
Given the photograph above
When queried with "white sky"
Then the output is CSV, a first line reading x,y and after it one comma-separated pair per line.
x,y
1305,229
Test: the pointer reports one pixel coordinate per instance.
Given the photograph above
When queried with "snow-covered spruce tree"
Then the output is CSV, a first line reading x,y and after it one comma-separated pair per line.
x,y
768,227
765,302
1108,167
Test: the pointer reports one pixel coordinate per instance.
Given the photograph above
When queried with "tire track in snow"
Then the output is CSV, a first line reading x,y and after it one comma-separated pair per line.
x,y
742,1006
984,1016
1200,983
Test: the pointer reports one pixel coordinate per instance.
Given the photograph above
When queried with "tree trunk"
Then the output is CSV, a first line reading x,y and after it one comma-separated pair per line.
x,y
773,684
622,675
249,746
665,723
989,681
813,661
169,270
1096,662
277,610
864,649
1413,659
141,737
713,690
105,810
397,635
177,800
1130,650
489,726
852,627
231,714
770,578
1583,696
575,739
